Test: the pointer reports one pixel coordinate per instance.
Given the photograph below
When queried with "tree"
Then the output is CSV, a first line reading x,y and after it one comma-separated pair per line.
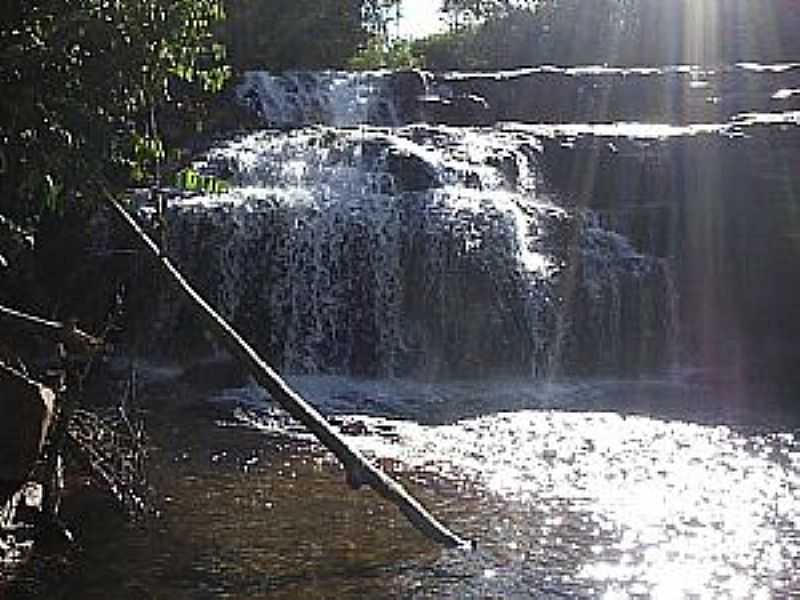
x,y
294,34
506,33
81,82
463,13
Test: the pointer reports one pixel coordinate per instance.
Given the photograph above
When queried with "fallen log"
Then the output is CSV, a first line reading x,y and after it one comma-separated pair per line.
x,y
358,469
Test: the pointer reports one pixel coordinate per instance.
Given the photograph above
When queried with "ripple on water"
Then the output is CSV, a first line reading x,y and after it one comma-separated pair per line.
x,y
605,505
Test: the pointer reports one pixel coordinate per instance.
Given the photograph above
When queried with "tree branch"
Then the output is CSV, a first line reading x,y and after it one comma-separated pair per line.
x,y
75,340
359,469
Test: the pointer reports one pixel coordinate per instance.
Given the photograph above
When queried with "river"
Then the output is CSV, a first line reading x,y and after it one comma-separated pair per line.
x,y
660,487
572,341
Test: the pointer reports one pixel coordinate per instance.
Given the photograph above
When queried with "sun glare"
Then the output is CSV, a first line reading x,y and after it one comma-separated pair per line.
x,y
704,24
419,18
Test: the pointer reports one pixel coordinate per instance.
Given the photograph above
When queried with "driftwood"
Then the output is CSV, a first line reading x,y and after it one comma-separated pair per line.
x,y
359,470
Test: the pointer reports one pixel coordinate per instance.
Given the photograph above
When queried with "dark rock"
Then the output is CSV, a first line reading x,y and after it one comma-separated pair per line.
x,y
26,411
600,94
406,88
465,110
721,210
411,173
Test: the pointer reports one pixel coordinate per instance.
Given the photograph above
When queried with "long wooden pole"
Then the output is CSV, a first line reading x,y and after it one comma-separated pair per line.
x,y
359,470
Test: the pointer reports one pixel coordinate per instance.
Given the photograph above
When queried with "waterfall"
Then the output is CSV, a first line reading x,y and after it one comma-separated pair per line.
x,y
415,251
337,98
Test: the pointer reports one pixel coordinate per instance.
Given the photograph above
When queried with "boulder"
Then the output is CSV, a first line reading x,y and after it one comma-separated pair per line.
x,y
411,173
26,412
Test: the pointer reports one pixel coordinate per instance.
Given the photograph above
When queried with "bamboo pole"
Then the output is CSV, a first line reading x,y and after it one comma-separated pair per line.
x,y
358,469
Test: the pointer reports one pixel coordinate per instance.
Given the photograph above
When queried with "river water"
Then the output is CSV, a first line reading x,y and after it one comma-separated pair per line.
x,y
660,487
503,344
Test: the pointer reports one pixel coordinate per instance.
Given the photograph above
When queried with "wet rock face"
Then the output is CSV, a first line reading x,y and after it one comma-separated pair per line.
x,y
293,100
406,88
465,110
410,173
445,250
298,99
420,251
26,409
722,208
674,95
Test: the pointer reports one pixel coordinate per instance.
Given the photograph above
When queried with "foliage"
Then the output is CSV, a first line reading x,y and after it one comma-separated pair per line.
x,y
293,34
463,13
377,15
382,53
110,87
507,33
190,180
81,82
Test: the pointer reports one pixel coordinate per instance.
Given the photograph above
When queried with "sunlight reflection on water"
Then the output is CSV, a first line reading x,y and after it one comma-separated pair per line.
x,y
622,506
565,500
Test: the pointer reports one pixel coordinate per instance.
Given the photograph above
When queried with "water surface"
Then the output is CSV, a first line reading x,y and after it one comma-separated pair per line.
x,y
564,497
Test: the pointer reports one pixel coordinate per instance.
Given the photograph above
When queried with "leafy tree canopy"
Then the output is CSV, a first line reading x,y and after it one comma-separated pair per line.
x,y
84,84
292,34
505,33
80,80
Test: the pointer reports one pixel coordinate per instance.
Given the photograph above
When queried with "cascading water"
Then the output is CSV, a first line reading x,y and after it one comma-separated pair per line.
x,y
339,99
422,251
